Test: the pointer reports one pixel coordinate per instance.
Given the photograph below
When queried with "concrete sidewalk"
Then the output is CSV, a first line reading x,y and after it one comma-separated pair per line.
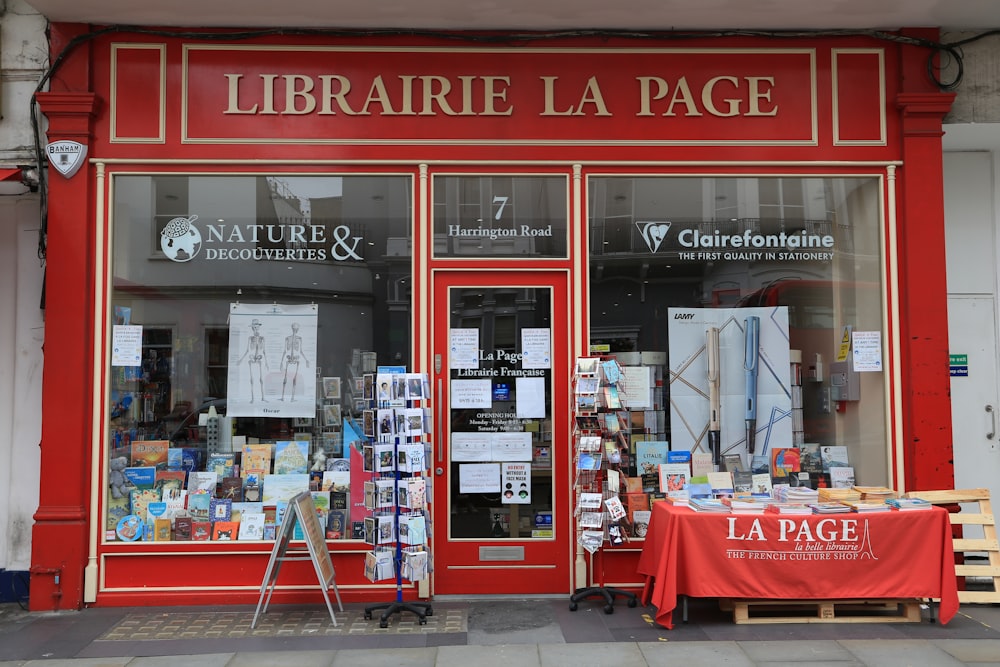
x,y
483,633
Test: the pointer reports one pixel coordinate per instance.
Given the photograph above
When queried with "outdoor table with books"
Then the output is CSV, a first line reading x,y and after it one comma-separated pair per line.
x,y
883,555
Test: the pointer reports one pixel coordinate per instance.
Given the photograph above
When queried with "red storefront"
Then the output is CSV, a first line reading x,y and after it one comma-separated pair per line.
x,y
422,198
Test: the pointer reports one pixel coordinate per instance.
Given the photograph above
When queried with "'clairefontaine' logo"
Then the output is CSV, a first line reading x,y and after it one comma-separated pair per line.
x,y
180,240
653,233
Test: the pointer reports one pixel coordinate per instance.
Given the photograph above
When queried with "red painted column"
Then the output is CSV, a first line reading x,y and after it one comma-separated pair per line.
x,y
60,533
923,307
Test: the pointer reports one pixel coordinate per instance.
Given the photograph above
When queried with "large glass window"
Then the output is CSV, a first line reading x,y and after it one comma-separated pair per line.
x,y
500,216
298,286
792,263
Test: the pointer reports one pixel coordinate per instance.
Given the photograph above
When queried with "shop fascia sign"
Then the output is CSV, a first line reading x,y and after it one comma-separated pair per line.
x,y
747,245
181,241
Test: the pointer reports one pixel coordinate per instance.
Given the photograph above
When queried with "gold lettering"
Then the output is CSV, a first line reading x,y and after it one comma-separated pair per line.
x,y
592,95
709,103
682,95
407,106
549,107
662,88
378,93
430,97
491,93
328,94
268,93
293,93
234,96
759,92
467,95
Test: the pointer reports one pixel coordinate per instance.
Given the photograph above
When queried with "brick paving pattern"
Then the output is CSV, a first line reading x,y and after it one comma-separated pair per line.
x,y
218,625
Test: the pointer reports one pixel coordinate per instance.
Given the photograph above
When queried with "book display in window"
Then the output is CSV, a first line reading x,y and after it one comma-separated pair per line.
x,y
398,525
601,447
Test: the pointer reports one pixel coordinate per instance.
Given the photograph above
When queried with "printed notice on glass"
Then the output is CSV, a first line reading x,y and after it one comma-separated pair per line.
x,y
479,478
463,348
512,447
638,390
516,482
471,394
469,447
530,397
867,350
536,348
126,345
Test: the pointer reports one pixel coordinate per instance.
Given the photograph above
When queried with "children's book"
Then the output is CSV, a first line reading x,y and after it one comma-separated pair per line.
x,y
141,478
291,457
336,525
649,454
251,526
149,453
761,485
182,528
161,530
169,481
231,488
224,531
199,505
202,481
722,483
222,463
220,509
256,460
201,531
139,500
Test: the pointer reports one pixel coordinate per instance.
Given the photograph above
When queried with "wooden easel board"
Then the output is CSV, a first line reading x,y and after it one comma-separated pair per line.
x,y
301,510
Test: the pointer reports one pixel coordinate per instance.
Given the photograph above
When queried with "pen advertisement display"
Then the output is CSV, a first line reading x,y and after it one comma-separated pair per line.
x,y
729,380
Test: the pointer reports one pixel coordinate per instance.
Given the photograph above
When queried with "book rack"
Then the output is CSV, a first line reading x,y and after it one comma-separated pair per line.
x,y
988,544
598,453
396,455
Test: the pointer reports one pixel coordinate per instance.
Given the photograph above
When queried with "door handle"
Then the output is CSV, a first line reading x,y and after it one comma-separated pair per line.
x,y
438,424
993,422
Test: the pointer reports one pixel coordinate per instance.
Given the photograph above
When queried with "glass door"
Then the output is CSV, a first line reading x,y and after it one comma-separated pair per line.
x,y
500,344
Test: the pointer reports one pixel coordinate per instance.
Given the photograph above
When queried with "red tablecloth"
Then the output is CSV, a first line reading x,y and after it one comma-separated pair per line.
x,y
771,556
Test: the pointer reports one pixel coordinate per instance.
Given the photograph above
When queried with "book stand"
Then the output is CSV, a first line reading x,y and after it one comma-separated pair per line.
x,y
405,463
599,453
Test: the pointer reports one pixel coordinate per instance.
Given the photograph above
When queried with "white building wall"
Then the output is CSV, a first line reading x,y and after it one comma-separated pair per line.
x,y
23,56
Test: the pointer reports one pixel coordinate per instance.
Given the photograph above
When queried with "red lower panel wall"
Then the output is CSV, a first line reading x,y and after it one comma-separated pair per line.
x,y
230,577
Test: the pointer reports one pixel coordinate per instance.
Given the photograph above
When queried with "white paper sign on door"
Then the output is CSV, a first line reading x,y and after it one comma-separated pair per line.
x,y
536,348
516,483
530,394
463,349
479,478
512,447
471,447
471,394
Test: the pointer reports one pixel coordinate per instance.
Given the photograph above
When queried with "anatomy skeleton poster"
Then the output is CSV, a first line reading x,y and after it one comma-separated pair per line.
x,y
272,360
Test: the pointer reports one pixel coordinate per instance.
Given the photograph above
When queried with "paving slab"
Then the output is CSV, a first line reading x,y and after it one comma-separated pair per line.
x,y
899,653
521,655
617,654
670,654
383,657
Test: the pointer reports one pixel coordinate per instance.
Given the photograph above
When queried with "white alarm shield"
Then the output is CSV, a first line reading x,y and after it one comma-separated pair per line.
x,y
66,156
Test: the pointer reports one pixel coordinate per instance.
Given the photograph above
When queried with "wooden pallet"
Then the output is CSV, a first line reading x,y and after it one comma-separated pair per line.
x,y
988,543
825,611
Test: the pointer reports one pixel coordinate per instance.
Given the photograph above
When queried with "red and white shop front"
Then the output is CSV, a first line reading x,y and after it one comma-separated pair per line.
x,y
419,194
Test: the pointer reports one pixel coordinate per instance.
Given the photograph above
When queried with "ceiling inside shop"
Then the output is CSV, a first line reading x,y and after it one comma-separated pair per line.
x,y
644,15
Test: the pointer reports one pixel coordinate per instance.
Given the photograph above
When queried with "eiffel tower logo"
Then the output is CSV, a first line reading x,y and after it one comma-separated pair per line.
x,y
864,549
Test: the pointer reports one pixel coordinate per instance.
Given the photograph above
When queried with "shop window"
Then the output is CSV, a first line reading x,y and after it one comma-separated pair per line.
x,y
500,216
671,256
297,286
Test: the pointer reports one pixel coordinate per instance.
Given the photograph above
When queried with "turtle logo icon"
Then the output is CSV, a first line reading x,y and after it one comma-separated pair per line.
x,y
180,240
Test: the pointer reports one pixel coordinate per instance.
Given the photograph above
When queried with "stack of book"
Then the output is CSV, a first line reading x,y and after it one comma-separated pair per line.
x,y
838,496
801,495
875,493
908,504
829,508
865,506
709,505
745,506
789,508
